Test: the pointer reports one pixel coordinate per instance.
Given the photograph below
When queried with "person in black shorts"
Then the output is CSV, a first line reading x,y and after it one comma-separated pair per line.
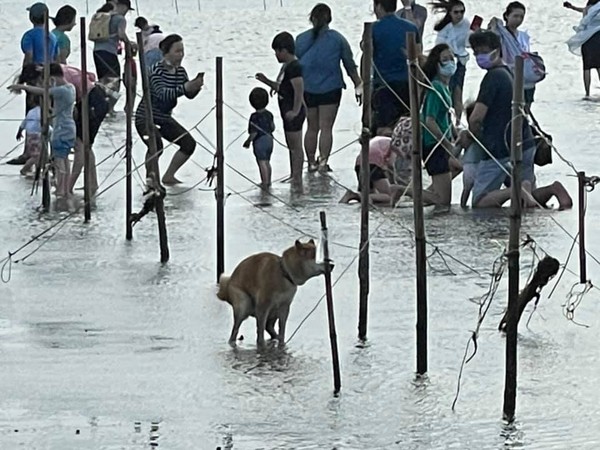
x,y
290,93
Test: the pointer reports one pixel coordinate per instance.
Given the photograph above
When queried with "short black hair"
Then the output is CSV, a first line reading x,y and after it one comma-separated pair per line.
x,y
56,70
168,42
141,22
65,16
387,5
485,39
284,41
259,98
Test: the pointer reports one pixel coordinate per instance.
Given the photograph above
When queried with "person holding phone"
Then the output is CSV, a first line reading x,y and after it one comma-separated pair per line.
x,y
168,82
454,30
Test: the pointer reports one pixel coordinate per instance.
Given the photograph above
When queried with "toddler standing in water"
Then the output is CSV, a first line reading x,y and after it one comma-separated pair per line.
x,y
260,128
32,125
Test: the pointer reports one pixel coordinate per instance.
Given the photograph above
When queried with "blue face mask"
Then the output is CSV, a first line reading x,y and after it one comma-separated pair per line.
x,y
447,68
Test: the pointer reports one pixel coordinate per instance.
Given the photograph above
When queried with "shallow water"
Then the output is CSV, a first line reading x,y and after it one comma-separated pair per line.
x,y
101,347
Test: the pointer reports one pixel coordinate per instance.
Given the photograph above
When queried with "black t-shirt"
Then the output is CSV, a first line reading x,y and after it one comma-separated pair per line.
x,y
261,123
290,71
496,92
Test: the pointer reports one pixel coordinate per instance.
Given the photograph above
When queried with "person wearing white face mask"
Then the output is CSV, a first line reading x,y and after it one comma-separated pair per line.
x,y
437,130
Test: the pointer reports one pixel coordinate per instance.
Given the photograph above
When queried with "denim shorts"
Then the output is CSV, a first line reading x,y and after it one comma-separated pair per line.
x,y
490,177
263,147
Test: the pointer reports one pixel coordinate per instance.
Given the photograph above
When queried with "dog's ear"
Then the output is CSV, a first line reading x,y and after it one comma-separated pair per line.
x,y
312,242
298,245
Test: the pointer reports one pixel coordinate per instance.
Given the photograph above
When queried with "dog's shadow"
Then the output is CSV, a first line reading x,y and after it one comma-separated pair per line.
x,y
250,360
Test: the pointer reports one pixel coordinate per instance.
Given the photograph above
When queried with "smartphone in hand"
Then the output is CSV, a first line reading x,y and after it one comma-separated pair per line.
x,y
476,23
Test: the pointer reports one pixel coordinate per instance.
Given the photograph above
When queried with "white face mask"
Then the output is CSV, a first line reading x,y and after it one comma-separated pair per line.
x,y
447,68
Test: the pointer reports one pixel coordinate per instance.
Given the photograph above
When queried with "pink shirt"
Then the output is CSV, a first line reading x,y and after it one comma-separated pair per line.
x,y
73,75
379,152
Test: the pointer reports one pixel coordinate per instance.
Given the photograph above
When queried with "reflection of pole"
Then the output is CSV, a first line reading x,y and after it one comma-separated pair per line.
x,y
130,98
582,256
45,120
365,175
417,176
154,174
510,381
85,125
220,173
337,382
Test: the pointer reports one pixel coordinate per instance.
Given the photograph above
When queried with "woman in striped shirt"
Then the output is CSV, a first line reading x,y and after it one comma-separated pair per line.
x,y
168,82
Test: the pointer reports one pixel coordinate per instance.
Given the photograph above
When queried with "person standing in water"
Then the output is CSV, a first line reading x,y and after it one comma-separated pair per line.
x,y
64,22
260,130
320,51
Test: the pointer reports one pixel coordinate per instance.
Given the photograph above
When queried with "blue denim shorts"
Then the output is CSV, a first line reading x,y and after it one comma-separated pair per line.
x,y
263,147
490,177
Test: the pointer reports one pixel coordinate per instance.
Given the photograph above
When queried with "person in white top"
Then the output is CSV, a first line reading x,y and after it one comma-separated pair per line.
x,y
454,30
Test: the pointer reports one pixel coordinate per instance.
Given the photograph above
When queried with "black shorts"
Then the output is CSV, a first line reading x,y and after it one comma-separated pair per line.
x,y
294,125
377,174
328,98
389,105
437,164
107,64
97,110
169,129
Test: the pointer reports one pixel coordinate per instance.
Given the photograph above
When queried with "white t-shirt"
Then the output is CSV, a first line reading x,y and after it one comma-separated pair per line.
x,y
33,121
456,37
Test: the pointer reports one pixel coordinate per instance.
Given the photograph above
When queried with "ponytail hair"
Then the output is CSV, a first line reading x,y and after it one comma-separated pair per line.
x,y
106,8
320,17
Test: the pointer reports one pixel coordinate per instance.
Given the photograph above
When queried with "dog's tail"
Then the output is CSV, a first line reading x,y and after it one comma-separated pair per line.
x,y
223,293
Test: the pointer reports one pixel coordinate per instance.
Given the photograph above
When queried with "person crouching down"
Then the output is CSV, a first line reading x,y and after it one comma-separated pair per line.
x,y
260,128
32,125
382,156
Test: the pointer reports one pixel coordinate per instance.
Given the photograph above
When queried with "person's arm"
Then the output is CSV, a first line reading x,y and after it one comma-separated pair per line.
x,y
34,90
274,85
476,118
432,108
568,5
122,33
27,48
298,85
348,62
167,94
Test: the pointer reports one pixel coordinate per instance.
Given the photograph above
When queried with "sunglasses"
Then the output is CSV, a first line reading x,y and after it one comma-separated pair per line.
x,y
461,11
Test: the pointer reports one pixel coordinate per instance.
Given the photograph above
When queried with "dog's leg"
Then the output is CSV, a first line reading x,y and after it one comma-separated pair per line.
x,y
242,307
271,326
262,314
284,311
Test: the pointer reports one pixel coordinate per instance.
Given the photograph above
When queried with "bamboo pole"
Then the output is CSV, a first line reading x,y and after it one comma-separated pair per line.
x,y
129,101
220,172
417,176
152,151
363,261
337,382
85,125
44,157
510,381
582,207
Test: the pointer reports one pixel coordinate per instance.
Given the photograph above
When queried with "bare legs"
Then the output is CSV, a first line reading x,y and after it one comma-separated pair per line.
x,y
293,140
319,132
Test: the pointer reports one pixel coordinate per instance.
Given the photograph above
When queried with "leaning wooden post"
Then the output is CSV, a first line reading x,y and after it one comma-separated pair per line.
x,y
153,155
44,157
85,125
220,173
129,101
510,381
582,256
417,187
337,382
363,261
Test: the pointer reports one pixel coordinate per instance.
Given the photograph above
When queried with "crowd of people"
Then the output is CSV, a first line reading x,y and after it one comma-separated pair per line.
x,y
469,139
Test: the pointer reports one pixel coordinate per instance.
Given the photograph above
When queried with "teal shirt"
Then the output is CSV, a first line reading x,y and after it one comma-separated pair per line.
x,y
64,43
437,105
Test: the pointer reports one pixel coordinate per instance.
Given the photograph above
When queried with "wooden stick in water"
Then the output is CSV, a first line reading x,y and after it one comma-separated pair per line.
x,y
130,99
85,125
220,173
582,207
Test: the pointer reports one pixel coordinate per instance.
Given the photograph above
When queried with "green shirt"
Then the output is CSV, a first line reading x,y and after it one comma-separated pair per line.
x,y
64,43
437,105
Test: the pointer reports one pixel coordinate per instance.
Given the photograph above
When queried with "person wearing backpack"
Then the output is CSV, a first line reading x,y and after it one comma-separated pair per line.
x,y
107,28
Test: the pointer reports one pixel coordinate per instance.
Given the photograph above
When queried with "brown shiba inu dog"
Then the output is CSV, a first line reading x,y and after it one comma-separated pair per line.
x,y
264,285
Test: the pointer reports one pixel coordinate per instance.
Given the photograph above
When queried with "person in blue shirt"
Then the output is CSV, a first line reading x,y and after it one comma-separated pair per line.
x,y
320,51
32,42
390,70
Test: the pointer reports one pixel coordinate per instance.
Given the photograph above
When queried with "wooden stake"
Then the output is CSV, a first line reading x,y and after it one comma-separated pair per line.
x,y
417,176
44,156
220,173
152,151
337,382
365,176
510,381
85,125
129,101
582,206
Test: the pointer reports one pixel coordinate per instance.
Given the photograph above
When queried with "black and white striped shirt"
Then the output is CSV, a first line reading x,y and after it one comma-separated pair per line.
x,y
165,88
